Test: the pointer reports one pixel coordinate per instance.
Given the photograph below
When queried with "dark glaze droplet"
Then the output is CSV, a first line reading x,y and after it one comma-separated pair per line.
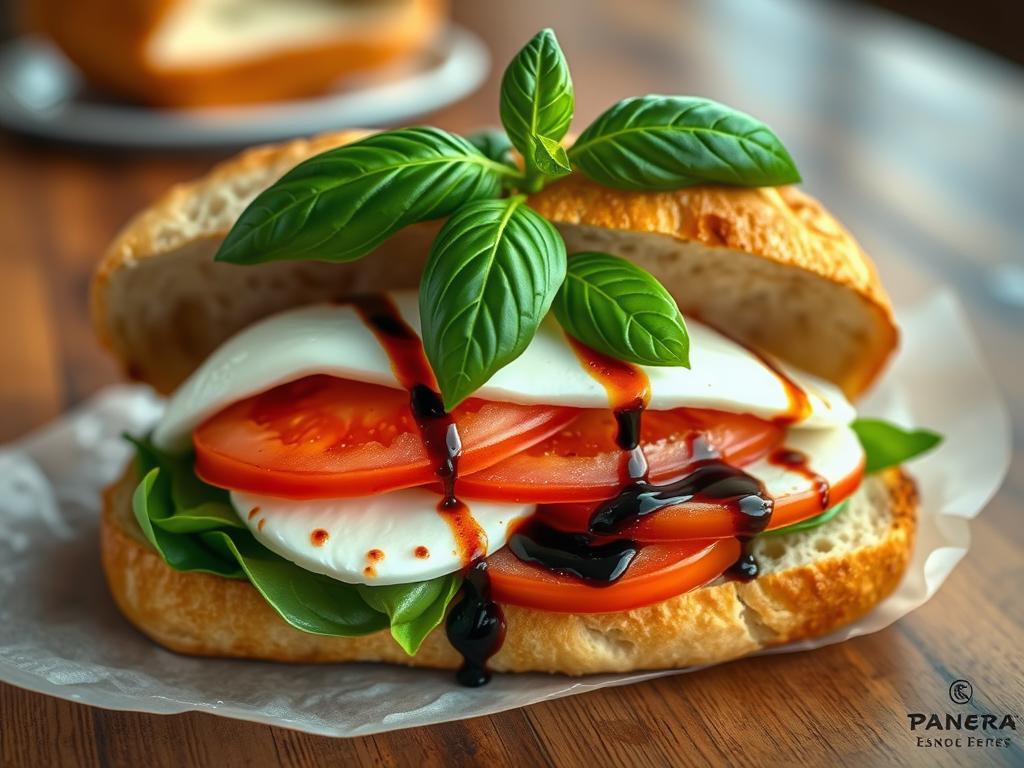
x,y
421,552
599,563
712,481
319,537
375,555
796,461
475,626
253,512
746,568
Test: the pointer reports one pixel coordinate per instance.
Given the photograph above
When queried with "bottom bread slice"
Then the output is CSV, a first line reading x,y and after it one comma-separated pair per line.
x,y
810,584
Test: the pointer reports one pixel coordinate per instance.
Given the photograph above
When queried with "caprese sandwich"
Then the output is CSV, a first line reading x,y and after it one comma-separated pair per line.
x,y
586,410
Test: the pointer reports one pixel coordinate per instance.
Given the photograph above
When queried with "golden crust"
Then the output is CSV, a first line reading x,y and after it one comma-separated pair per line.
x,y
114,55
778,224
210,616
817,301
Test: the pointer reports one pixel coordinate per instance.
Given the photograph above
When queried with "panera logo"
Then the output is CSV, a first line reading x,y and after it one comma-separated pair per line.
x,y
962,729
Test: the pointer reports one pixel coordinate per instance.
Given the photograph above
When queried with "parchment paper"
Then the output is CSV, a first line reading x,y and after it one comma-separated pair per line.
x,y
60,633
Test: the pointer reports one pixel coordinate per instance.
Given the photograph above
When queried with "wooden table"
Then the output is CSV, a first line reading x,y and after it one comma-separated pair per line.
x,y
914,140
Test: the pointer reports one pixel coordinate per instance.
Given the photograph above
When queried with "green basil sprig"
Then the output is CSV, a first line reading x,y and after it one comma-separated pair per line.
x,y
887,445
490,278
668,142
494,144
615,307
490,281
537,103
343,203
193,526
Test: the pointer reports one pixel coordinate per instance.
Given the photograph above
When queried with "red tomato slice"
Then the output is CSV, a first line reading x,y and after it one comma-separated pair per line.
x,y
582,462
324,437
695,520
658,572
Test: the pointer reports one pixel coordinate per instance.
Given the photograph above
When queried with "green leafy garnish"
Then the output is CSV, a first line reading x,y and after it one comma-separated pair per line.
x,y
886,445
414,609
497,265
668,142
537,103
490,278
194,528
813,522
343,203
615,307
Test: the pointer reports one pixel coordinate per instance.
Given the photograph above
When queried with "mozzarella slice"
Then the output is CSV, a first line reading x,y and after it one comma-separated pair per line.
x,y
332,339
392,538
337,537
834,454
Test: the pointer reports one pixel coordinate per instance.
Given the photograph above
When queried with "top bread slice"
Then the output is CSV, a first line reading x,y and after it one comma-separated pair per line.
x,y
770,267
156,52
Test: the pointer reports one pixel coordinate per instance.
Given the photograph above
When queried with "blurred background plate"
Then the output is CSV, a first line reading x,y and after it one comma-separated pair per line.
x,y
41,94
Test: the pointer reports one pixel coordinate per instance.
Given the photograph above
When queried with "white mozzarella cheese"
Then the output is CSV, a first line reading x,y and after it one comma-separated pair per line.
x,y
373,539
337,537
332,339
833,454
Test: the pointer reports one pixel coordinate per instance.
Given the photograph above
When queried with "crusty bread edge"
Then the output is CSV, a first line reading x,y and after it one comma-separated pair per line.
x,y
205,615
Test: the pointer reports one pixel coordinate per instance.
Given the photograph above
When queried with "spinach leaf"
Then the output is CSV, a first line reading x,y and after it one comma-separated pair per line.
x,y
490,278
887,445
668,142
193,526
343,203
615,307
414,609
813,522
306,600
153,508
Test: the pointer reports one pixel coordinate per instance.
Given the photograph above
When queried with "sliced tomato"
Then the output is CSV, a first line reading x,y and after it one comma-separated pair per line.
x,y
322,437
697,520
581,462
658,572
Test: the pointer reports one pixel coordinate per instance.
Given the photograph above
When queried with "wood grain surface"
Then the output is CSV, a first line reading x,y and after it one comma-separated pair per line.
x,y
914,140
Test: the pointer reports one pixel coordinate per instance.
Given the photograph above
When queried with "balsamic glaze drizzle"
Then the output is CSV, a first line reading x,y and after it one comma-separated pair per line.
x,y
475,625
711,481
574,554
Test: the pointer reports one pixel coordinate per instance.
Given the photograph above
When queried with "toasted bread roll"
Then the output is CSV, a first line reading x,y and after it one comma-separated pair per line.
x,y
188,53
811,583
768,266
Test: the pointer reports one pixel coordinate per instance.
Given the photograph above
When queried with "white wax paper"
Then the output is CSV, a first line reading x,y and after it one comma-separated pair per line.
x,y
61,634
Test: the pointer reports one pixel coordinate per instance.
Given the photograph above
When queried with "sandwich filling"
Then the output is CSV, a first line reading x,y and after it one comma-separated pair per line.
x,y
571,481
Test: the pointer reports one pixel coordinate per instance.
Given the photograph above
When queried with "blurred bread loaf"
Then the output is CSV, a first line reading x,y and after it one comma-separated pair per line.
x,y
189,53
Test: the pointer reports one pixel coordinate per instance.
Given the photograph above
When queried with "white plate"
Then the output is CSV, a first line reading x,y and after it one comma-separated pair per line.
x,y
60,633
42,94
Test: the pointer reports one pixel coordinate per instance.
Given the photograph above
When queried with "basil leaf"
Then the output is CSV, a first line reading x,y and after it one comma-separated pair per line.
x,y
615,307
667,142
813,522
551,158
490,278
493,143
306,600
343,203
537,97
152,506
886,445
414,609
